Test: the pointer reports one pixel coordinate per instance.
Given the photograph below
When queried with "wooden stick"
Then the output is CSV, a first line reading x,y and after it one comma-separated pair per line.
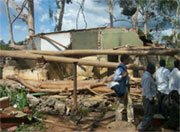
x,y
75,84
89,52
177,57
19,54
47,90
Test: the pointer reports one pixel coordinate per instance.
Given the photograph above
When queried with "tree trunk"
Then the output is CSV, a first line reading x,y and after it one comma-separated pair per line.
x,y
31,21
10,24
136,17
173,32
145,27
110,12
132,23
177,24
59,27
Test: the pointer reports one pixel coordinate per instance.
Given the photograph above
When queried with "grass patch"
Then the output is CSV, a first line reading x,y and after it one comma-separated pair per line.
x,y
36,126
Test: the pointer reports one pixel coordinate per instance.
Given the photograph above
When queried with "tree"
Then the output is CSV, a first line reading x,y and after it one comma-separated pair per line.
x,y
2,42
147,11
31,22
169,9
129,9
12,21
60,4
81,9
132,8
110,12
167,40
23,17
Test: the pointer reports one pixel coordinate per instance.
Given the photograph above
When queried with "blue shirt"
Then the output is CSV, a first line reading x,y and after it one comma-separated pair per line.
x,y
148,86
120,70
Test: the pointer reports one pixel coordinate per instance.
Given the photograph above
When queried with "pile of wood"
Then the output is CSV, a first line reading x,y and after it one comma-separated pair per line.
x,y
95,87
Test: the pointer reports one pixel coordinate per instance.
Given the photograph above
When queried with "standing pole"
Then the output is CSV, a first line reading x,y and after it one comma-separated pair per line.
x,y
75,84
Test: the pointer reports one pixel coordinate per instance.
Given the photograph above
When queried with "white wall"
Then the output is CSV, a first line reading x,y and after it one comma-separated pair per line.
x,y
62,38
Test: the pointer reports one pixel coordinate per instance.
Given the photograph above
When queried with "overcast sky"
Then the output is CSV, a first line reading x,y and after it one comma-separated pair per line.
x,y
96,15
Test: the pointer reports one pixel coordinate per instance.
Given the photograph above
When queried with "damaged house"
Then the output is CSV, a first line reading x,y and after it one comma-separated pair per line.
x,y
96,38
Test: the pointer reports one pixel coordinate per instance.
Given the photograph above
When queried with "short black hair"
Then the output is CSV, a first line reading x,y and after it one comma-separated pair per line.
x,y
124,57
176,63
151,68
162,63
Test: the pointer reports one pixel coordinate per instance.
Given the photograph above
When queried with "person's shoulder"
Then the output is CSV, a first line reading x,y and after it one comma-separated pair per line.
x,y
158,70
166,70
178,72
145,75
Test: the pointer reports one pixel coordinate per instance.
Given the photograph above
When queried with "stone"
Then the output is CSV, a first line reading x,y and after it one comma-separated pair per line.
x,y
60,107
121,126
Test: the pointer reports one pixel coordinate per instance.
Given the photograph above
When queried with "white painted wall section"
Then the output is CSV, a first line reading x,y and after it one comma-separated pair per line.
x,y
62,38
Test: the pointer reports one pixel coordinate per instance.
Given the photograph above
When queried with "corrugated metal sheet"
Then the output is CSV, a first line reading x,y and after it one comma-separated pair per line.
x,y
85,40
111,38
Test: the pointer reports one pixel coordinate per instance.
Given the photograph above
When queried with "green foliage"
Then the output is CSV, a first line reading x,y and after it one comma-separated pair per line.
x,y
167,6
22,100
50,12
2,42
167,39
169,61
20,43
140,31
36,126
149,36
167,9
5,47
19,98
79,113
4,91
129,7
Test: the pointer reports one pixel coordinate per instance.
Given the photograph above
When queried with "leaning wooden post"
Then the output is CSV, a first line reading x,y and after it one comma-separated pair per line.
x,y
75,84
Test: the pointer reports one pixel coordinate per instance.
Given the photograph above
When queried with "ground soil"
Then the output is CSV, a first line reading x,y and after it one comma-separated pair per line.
x,y
99,122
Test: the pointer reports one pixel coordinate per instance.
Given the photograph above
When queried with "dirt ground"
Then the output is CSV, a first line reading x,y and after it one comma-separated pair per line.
x,y
99,122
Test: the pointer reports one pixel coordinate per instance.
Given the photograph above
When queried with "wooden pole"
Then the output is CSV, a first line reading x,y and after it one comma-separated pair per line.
x,y
88,52
75,84
177,57
24,55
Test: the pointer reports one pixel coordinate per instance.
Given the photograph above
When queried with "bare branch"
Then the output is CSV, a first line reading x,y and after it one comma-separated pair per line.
x,y
122,20
20,11
81,9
